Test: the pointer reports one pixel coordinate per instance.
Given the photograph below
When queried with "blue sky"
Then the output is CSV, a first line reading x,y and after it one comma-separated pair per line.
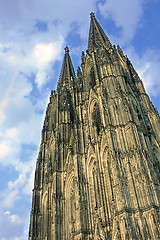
x,y
33,34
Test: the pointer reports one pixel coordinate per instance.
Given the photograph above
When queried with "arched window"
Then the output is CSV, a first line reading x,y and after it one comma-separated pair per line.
x,y
92,77
96,118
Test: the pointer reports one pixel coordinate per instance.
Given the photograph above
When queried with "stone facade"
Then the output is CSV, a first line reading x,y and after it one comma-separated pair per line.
x,y
98,170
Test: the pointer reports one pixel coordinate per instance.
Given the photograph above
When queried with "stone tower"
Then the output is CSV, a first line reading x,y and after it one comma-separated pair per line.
x,y
98,170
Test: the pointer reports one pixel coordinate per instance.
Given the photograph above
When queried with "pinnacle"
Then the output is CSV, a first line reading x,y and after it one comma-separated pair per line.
x,y
92,14
66,49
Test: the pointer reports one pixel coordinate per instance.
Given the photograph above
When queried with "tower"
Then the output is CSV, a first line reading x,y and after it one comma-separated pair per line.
x,y
98,170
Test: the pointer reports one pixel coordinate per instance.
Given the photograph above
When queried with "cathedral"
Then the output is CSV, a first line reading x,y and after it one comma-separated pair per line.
x,y
98,169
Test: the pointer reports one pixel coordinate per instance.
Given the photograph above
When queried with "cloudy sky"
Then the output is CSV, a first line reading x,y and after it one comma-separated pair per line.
x,y
33,34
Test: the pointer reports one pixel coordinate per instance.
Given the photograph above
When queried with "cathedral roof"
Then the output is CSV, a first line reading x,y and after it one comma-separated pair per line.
x,y
97,37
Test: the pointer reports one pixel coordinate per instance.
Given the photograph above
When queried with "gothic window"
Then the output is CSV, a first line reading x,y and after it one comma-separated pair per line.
x,y
96,118
92,77
71,114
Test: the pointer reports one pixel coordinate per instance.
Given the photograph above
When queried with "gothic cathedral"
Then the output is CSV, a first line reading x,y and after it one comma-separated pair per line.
x,y
98,170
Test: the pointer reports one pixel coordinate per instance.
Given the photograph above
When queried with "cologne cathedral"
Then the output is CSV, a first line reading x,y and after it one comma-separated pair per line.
x,y
98,169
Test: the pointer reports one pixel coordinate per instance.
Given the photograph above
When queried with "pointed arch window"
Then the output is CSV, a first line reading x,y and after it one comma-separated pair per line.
x,y
96,118
92,77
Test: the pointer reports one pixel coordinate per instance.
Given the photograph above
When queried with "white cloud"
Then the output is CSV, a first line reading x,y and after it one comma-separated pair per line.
x,y
10,225
15,218
12,133
7,213
8,198
18,182
45,53
41,78
42,57
38,60
125,14
5,149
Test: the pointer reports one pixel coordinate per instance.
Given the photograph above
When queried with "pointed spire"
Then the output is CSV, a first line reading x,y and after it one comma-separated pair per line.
x,y
67,72
97,37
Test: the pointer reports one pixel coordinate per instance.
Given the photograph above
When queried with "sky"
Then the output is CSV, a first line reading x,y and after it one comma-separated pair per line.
x,y
33,35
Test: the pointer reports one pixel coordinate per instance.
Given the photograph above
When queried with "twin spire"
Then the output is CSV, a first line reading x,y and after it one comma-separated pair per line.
x,y
67,71
97,38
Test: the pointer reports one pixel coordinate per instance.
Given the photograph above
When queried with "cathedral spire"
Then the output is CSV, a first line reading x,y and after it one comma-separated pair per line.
x,y
97,37
67,72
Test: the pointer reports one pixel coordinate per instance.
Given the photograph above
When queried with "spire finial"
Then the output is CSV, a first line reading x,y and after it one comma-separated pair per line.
x,y
66,49
92,14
